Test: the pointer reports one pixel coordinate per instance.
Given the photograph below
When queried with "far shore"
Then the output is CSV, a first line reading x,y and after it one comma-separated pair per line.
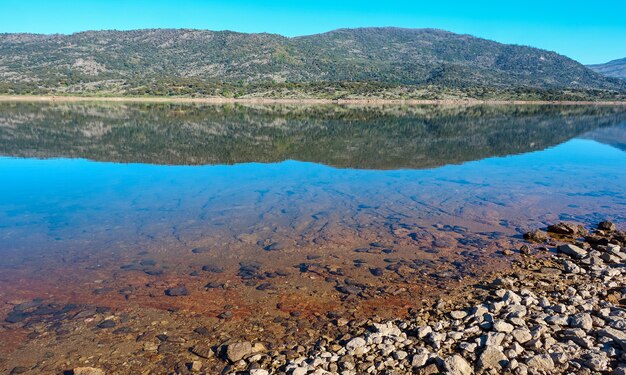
x,y
219,100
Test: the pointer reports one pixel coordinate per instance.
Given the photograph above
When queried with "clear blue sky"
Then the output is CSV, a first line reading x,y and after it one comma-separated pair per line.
x,y
588,31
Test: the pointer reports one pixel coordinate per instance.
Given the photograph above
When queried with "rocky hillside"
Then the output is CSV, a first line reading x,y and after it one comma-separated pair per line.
x,y
615,68
362,61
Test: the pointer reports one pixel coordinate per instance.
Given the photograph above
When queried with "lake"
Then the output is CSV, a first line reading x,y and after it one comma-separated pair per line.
x,y
231,213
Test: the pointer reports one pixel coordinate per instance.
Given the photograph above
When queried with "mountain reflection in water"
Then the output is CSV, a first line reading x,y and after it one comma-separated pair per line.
x,y
390,137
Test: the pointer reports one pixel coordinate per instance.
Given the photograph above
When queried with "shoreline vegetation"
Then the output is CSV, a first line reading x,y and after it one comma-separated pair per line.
x,y
262,100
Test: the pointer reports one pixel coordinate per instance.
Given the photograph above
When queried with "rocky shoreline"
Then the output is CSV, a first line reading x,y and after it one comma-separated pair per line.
x,y
555,313
560,308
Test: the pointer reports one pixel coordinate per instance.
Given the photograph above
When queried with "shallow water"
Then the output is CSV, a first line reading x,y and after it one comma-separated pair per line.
x,y
96,200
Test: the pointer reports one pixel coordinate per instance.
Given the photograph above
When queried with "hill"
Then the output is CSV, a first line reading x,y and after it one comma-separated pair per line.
x,y
382,62
615,68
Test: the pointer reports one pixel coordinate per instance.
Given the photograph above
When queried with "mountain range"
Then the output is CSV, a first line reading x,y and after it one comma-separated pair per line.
x,y
364,62
615,68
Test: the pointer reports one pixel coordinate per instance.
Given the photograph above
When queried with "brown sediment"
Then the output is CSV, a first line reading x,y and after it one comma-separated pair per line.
x,y
356,101
302,309
301,302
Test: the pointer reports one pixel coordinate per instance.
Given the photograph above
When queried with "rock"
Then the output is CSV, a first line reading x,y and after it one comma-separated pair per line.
x,y
274,247
19,370
597,362
431,369
177,291
521,335
203,351
376,271
572,250
550,271
202,331
212,268
108,323
524,249
511,297
468,347
492,339
541,362
536,236
150,346
571,267
226,315
266,286
238,350
619,336
200,250
16,317
214,285
457,365
492,358
88,371
195,366
582,320
387,329
502,326
458,314
299,371
400,355
424,331
607,226
356,345
568,229
258,371
419,360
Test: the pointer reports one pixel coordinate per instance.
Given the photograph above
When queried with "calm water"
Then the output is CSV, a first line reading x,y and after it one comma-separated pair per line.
x,y
120,193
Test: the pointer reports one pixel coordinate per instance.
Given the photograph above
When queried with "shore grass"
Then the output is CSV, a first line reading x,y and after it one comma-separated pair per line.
x,y
222,100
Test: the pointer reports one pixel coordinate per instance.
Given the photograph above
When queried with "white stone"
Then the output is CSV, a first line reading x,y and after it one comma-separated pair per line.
x,y
502,326
457,365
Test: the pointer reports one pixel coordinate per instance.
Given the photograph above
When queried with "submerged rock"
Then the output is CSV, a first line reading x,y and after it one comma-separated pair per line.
x,y
106,324
88,371
536,236
177,291
568,229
